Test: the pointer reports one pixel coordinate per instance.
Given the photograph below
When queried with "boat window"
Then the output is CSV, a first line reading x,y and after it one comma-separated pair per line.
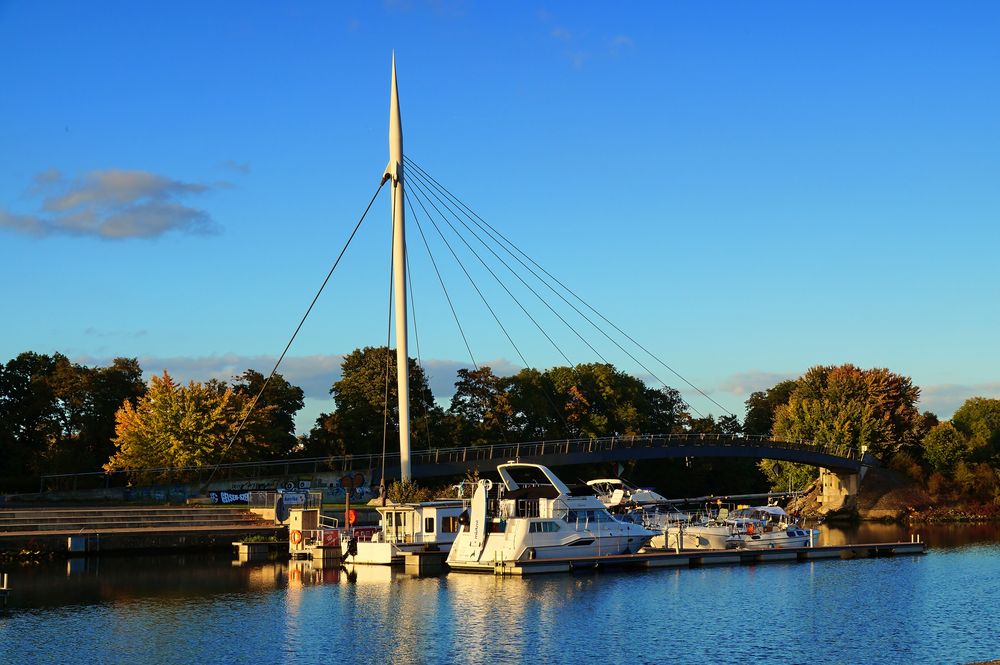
x,y
389,519
449,524
428,525
550,526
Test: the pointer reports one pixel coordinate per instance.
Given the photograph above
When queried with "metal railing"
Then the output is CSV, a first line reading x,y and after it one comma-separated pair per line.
x,y
460,455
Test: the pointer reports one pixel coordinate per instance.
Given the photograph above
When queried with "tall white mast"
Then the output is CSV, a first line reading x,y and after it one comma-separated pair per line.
x,y
395,171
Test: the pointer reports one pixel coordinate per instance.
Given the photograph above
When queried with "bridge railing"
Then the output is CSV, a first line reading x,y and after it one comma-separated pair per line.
x,y
511,451
431,456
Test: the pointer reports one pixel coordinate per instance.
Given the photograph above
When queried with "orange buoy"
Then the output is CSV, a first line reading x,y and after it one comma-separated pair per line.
x,y
352,516
295,536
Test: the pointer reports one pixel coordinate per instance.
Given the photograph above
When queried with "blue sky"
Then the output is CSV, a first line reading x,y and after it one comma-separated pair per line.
x,y
749,189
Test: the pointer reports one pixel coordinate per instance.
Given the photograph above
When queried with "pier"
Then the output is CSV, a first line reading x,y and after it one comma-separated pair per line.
x,y
86,531
698,558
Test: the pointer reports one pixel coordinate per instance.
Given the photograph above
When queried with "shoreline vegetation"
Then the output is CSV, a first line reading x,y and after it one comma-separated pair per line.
x,y
57,416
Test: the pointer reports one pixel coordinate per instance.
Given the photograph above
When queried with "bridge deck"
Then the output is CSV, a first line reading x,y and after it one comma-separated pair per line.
x,y
456,461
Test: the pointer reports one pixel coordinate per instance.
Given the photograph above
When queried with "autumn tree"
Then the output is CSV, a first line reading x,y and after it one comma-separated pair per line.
x,y
873,409
180,426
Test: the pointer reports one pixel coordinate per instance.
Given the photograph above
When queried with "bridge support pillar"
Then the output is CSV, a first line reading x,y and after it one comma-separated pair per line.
x,y
837,489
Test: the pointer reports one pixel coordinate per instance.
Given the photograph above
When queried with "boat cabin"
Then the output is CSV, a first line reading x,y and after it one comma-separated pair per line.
x,y
427,523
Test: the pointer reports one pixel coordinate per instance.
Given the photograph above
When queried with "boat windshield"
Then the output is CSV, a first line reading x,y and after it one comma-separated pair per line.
x,y
527,476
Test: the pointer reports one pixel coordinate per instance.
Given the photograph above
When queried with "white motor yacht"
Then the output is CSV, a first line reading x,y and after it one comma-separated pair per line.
x,y
533,515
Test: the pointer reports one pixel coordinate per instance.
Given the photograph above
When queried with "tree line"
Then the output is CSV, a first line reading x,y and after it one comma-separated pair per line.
x,y
57,416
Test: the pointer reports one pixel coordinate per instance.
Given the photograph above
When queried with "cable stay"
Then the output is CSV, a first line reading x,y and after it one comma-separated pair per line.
x,y
421,186
420,174
649,371
479,291
295,333
499,281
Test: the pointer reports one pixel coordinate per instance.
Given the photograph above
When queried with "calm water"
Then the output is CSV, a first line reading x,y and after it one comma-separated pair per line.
x,y
940,608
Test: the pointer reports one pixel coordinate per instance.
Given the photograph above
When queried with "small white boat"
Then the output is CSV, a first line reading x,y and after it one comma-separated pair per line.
x,y
708,535
533,515
406,527
765,527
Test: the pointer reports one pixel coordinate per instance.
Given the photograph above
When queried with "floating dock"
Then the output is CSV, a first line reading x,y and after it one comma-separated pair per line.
x,y
698,558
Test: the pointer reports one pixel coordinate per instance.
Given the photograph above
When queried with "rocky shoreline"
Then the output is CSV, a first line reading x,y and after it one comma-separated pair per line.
x,y
888,496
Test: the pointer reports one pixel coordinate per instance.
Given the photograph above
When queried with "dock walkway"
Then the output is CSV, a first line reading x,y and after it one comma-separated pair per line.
x,y
125,528
695,558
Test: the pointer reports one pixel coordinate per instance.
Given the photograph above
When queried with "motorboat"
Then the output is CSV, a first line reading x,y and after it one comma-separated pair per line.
x,y
615,493
765,527
707,531
532,514
405,527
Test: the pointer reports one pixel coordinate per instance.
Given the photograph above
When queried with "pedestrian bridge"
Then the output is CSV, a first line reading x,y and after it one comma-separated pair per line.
x,y
451,461
429,463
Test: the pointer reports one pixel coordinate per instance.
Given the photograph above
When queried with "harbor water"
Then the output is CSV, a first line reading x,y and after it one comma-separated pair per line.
x,y
937,608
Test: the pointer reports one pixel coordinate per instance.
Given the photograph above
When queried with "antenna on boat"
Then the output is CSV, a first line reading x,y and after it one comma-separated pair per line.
x,y
394,171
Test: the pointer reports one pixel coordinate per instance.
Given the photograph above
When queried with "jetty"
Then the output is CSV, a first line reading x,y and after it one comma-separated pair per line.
x,y
699,558
81,531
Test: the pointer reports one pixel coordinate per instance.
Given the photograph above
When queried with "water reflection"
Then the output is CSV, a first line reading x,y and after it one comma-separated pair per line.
x,y
909,609
935,535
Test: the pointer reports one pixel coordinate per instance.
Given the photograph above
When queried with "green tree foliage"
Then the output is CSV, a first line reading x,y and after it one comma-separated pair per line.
x,y
481,407
361,397
180,426
59,416
761,406
945,447
788,476
978,419
273,426
873,408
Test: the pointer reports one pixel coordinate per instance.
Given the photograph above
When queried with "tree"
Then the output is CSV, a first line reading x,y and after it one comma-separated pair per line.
x,y
59,416
178,426
274,425
873,409
761,405
945,447
535,414
29,420
978,419
482,407
363,399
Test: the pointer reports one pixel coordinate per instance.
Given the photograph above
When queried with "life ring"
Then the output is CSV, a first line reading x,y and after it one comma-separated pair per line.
x,y
295,536
352,516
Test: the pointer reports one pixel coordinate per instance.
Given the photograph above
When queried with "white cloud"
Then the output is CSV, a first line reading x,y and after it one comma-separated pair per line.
x,y
944,398
314,373
111,204
744,383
